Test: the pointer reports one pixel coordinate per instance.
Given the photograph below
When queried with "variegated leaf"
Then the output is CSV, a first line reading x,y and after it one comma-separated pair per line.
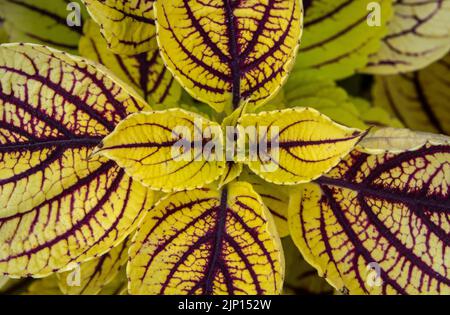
x,y
275,198
167,150
224,52
421,100
334,102
419,34
394,140
301,277
339,36
379,224
301,144
145,72
207,241
128,26
58,206
44,22
95,274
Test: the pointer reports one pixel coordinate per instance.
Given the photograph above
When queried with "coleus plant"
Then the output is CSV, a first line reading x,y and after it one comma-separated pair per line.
x,y
88,175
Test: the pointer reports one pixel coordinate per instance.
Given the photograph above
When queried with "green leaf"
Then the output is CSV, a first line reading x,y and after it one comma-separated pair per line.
x,y
337,38
42,22
145,72
421,100
419,34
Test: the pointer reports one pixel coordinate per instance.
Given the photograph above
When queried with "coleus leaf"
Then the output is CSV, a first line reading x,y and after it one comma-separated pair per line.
x,y
421,100
207,241
118,286
144,143
3,281
44,286
128,26
301,278
396,140
145,72
374,116
309,144
389,210
41,22
95,274
59,207
334,102
419,34
227,52
338,38
275,198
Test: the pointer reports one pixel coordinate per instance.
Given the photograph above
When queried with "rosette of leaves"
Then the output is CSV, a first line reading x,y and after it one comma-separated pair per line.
x,y
89,181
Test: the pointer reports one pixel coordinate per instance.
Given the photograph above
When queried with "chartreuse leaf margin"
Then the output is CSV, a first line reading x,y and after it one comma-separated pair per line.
x,y
90,181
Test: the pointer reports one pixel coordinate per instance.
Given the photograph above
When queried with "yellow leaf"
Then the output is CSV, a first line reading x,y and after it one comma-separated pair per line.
x,y
379,224
165,150
207,241
395,140
421,100
419,34
57,208
145,72
128,26
226,53
274,197
301,144
95,274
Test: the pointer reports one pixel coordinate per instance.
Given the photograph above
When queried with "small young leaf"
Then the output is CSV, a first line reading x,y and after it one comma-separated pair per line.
x,y
42,22
207,241
165,150
57,208
379,224
128,26
309,144
275,198
396,140
145,72
230,51
339,37
421,100
419,34
97,273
